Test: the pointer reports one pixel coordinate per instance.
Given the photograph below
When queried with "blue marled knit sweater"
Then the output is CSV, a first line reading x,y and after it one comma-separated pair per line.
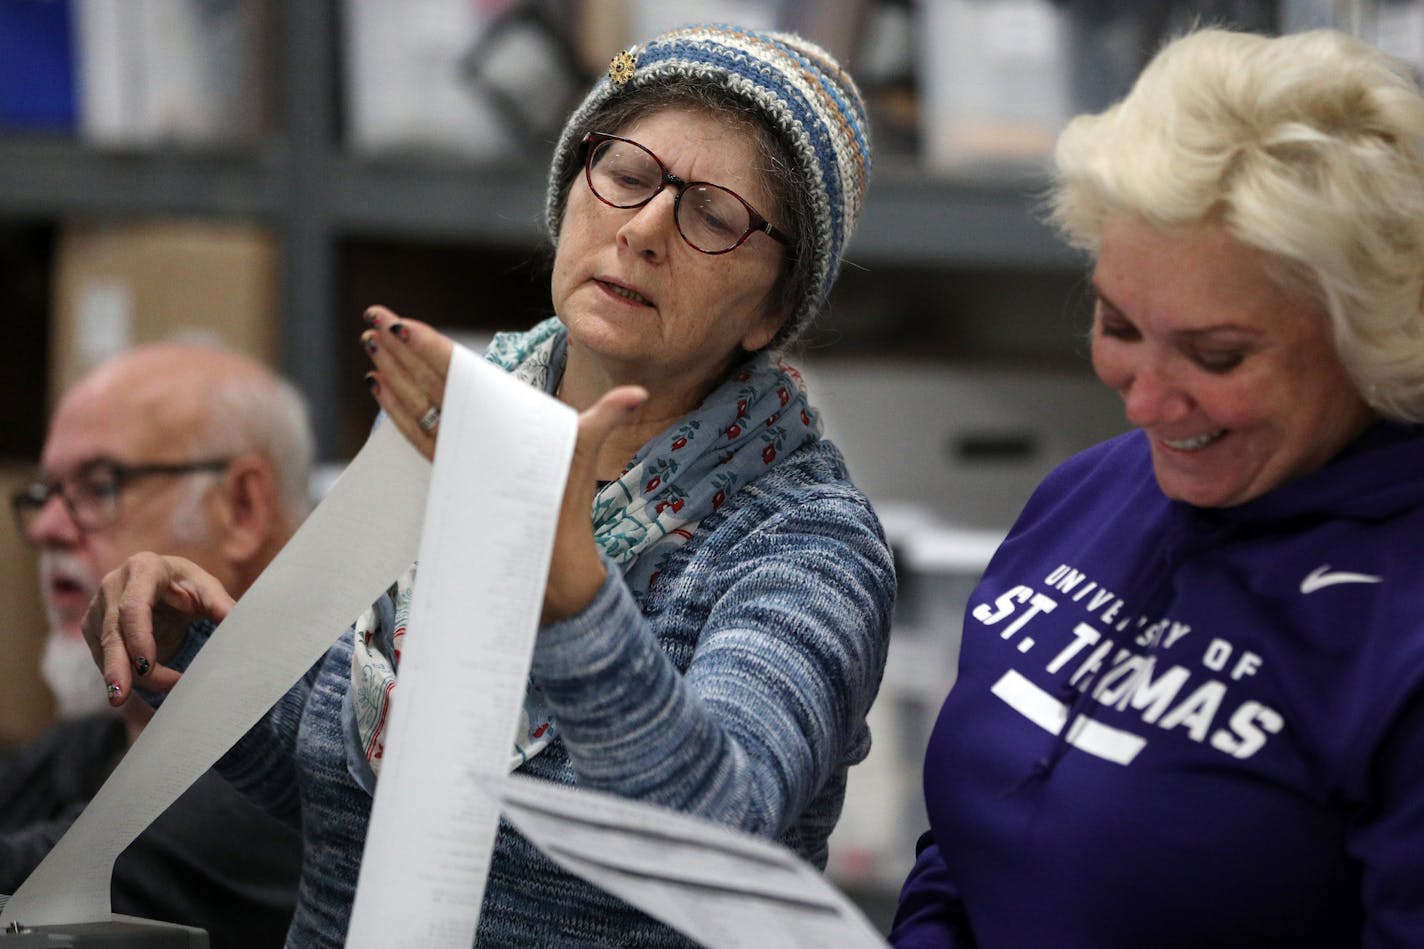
x,y
738,693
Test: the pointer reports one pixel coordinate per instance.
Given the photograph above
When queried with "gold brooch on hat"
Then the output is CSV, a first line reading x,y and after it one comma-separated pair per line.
x,y
621,69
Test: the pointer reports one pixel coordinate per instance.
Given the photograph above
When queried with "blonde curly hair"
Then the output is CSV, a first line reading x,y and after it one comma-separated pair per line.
x,y
1309,147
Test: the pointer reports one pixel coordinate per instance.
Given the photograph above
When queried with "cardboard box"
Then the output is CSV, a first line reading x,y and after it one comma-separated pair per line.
x,y
25,704
116,285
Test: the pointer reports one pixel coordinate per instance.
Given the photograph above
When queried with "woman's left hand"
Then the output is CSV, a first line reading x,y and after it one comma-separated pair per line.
x,y
411,361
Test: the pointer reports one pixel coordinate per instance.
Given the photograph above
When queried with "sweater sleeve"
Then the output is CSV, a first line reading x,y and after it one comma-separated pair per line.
x,y
263,762
1389,839
199,632
788,658
930,914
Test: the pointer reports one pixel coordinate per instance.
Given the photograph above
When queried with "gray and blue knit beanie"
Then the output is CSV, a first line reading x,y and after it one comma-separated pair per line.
x,y
800,92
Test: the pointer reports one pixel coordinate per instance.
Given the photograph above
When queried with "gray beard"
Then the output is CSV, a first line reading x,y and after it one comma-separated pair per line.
x,y
73,679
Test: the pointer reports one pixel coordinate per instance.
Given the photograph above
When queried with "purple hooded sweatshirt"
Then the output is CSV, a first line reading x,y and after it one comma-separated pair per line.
x,y
1178,726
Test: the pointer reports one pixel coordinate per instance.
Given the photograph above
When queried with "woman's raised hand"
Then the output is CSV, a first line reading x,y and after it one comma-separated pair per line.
x,y
410,363
576,570
140,616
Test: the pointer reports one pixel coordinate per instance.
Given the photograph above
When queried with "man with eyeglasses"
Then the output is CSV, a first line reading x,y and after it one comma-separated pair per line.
x,y
181,449
90,504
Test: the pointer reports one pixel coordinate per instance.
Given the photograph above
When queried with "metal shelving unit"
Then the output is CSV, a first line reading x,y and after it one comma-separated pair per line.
x,y
313,196
49,178
301,183
910,220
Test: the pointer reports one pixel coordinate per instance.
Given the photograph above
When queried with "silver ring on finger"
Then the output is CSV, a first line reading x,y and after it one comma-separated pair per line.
x,y
429,420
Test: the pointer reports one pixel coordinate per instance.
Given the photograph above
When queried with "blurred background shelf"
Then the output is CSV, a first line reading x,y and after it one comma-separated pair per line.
x,y
914,219
316,156
317,195
44,178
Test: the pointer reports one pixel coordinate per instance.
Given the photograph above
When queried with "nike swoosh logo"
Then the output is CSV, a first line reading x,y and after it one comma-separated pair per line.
x,y
1322,577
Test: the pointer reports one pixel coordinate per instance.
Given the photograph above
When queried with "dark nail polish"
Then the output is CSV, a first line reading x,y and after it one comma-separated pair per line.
x,y
141,664
113,690
401,330
373,383
368,341
372,318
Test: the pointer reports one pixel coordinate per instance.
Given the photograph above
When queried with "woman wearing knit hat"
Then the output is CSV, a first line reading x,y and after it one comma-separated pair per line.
x,y
713,637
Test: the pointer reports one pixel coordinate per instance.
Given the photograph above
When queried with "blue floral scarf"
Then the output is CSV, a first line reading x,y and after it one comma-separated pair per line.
x,y
758,416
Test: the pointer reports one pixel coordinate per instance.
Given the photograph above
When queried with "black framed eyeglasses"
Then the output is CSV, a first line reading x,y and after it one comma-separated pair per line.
x,y
713,219
91,494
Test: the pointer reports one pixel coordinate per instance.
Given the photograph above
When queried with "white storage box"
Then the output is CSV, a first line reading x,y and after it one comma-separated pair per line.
x,y
651,17
164,71
967,443
1398,29
407,89
994,83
